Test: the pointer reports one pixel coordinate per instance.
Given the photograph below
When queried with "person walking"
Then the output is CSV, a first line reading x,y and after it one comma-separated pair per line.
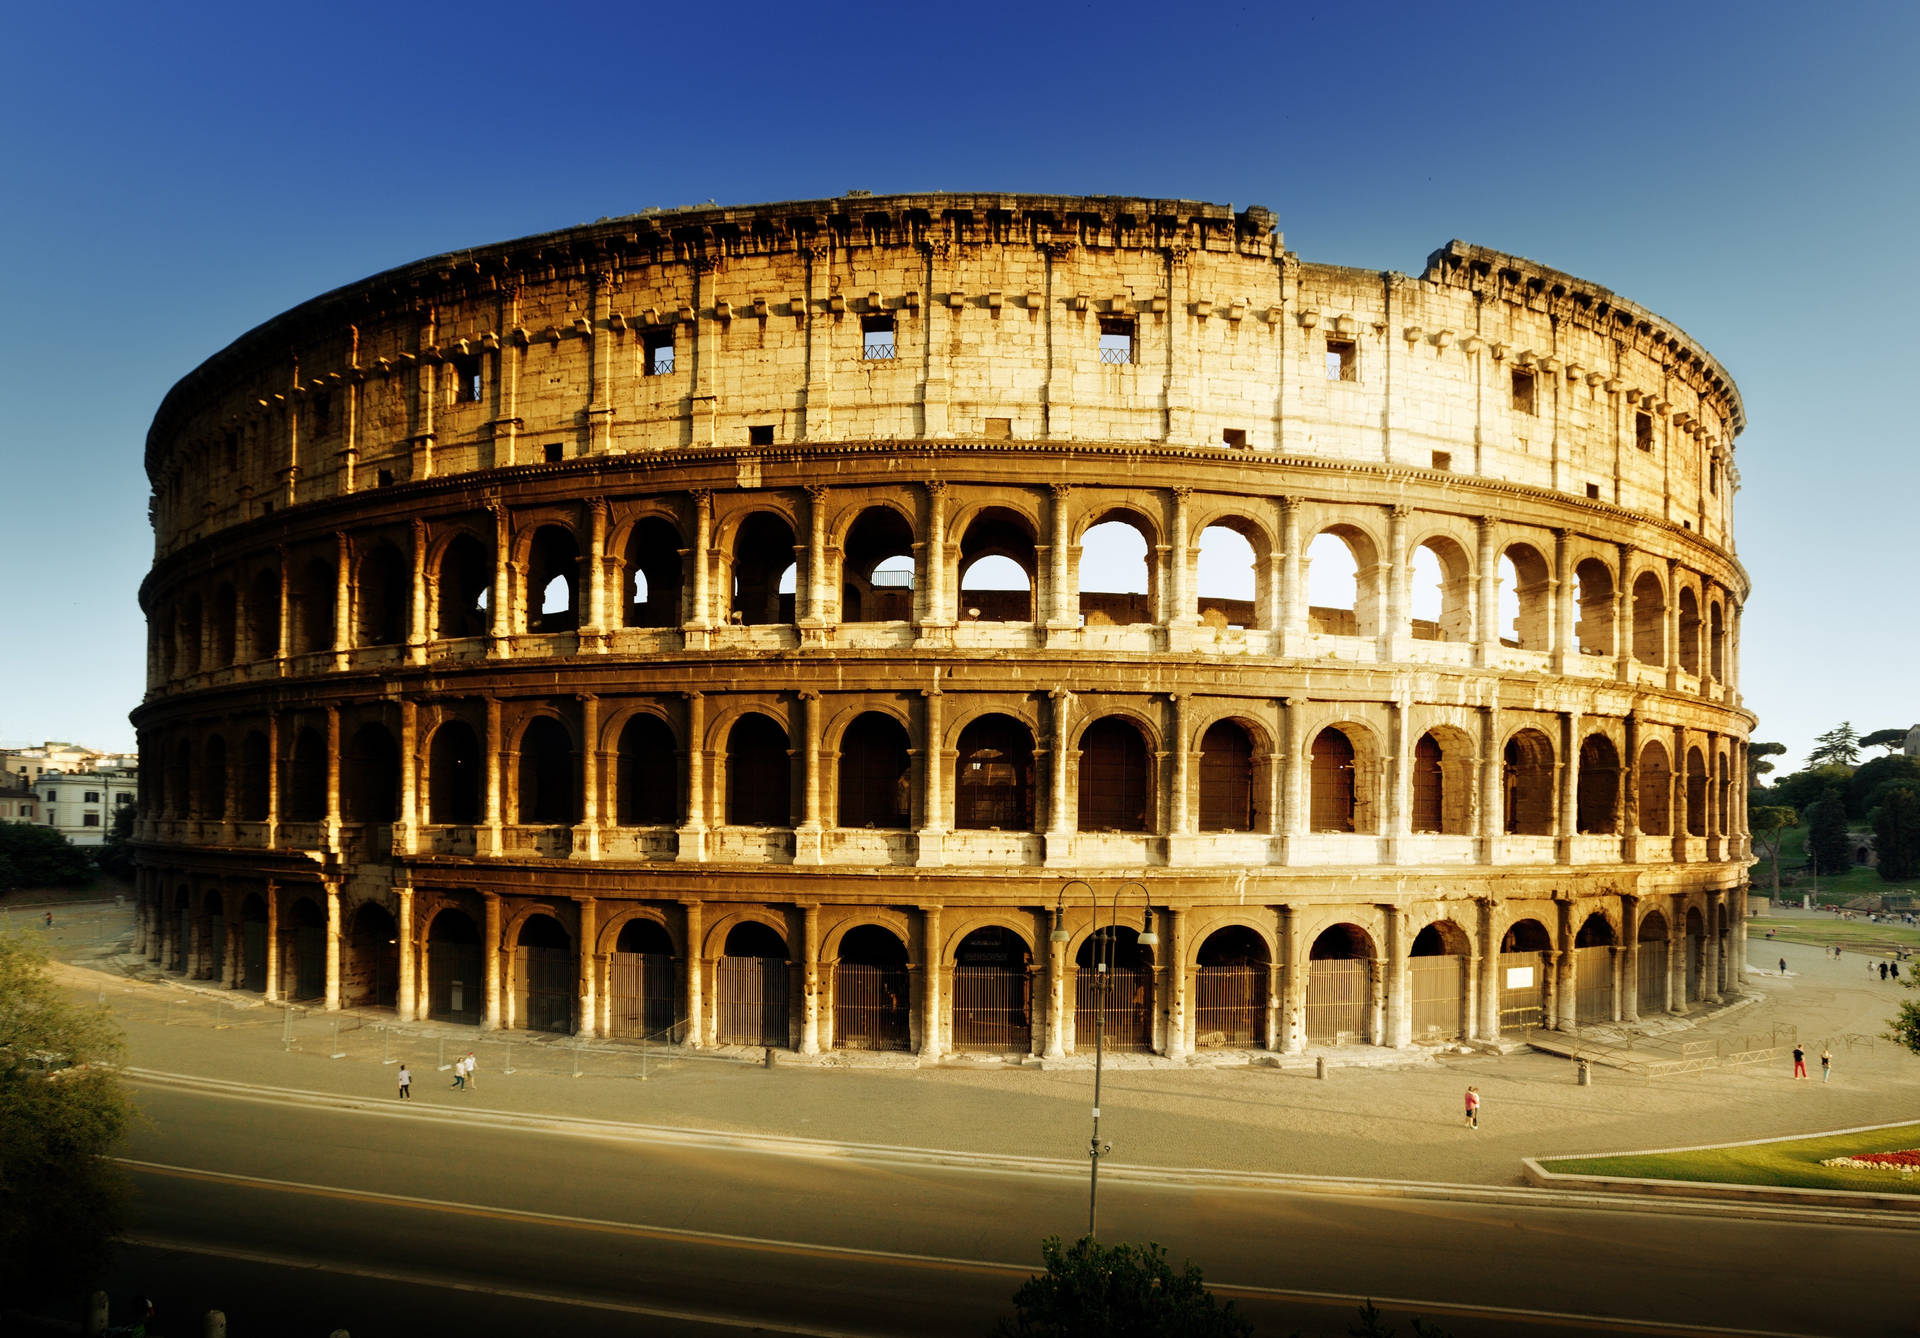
x,y
1783,966
406,1083
1883,970
1473,1108
1893,969
1826,1063
470,1067
1799,1060
459,1074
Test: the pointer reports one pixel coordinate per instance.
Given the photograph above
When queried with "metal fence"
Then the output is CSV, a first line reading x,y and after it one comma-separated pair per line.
x,y
870,1007
1123,998
1338,1000
1593,984
1523,990
1230,1006
1652,975
992,1008
641,996
750,996
1438,985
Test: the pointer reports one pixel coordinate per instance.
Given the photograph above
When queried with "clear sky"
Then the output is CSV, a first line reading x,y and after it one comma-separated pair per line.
x,y
173,175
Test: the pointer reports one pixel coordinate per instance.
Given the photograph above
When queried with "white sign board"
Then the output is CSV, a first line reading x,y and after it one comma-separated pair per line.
x,y
1519,977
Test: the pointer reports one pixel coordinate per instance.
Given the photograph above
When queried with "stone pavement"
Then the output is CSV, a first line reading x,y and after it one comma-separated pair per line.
x,y
1377,1115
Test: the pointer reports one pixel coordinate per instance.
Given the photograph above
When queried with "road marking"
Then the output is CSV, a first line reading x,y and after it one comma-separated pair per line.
x,y
763,1244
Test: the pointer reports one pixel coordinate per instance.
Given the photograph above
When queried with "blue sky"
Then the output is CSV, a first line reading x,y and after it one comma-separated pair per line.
x,y
174,176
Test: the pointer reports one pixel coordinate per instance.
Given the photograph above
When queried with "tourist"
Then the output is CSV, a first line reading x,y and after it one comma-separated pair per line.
x,y
1826,1063
1799,1060
1893,968
459,1074
1783,966
1883,970
406,1083
1473,1107
470,1067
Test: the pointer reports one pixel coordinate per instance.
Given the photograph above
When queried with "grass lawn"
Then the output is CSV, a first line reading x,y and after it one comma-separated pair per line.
x,y
1795,881
1794,1163
1853,935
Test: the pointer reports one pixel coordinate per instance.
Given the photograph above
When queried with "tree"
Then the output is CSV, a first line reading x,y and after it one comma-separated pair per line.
x,y
116,850
1896,833
39,857
1904,1026
1757,764
61,1114
1866,786
1769,827
1838,746
1827,840
1803,789
1117,1291
1890,739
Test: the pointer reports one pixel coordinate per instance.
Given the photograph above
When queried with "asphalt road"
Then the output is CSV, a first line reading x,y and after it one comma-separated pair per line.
x,y
420,1220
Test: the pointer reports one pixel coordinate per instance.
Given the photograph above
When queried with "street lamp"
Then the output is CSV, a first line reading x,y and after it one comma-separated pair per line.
x,y
1102,938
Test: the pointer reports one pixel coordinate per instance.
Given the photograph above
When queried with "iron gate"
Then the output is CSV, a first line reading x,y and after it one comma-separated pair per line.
x,y
992,1008
1337,1000
1230,1006
543,988
750,995
640,995
253,955
1438,985
216,948
1652,980
1593,984
1696,965
870,1007
453,981
182,940
1126,1005
1523,990
309,962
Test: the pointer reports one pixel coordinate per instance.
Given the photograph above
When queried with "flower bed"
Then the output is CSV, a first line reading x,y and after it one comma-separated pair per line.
x,y
1906,1162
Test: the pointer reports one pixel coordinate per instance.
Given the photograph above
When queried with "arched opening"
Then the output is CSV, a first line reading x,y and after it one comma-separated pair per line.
x,y
213,780
1340,987
1653,981
226,618
1429,785
1527,783
1441,590
1115,787
182,927
750,987
1333,803
1438,982
303,970
641,983
1716,643
543,975
1593,594
1226,779
1649,620
456,776
1696,958
180,796
993,992
263,615
1227,579
313,600
1338,603
997,567
255,768
870,991
307,778
1597,809
1696,793
213,933
1656,785
192,630
455,981
993,776
1723,793
382,598
1118,998
253,944
654,580
1231,986
553,581
1593,971
1526,613
1689,631
762,556
1524,978
370,776
759,774
647,774
876,574
370,971
1116,580
547,792
875,774
464,585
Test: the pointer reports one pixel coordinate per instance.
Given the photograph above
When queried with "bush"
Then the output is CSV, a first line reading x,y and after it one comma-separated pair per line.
x,y
1090,1290
40,857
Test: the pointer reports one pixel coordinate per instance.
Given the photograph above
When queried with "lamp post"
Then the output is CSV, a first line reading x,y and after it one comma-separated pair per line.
x,y
1102,937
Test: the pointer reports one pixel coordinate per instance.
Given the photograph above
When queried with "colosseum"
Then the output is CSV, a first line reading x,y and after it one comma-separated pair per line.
x,y
845,624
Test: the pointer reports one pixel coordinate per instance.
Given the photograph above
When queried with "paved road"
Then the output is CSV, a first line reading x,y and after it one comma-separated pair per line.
x,y
410,1220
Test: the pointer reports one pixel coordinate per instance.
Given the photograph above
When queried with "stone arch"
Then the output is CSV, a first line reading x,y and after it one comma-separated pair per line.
x,y
621,931
382,596
871,988
1649,619
1654,982
545,971
1526,777
993,788
463,586
303,927
1120,999
1343,780
263,614
456,979
1118,594
1593,630
751,981
1231,793
212,801
759,772
252,973
1340,986
1439,981
224,625
646,779
456,775
1593,954
1524,975
1689,631
370,964
1696,795
1441,594
1656,784
1117,790
1526,586
1232,572
874,773
1442,782
997,536
877,566
546,790
1597,798
992,961
644,989
651,590
760,563
256,769
1348,551
192,633
307,777
1232,983
313,595
370,775
550,596
1716,642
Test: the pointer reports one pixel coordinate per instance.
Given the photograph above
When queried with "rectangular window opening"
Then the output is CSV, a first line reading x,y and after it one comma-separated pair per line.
x,y
1593,492
1343,360
90,820
656,353
876,338
998,429
383,479
1643,431
1713,477
1523,392
1116,340
760,434
1234,437
466,378
551,452
1442,460
322,412
233,450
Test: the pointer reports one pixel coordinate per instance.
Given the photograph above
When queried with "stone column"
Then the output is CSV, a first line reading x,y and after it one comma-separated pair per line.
x,y
230,927
1623,616
1399,978
406,837
933,781
696,951
1677,955
809,839
1059,838
332,1003
693,832
1487,996
1293,1007
500,628
810,980
1630,792
1399,781
1291,635
934,603
596,569
1180,816
333,777
281,642
342,598
820,599
1491,820
1396,631
417,609
1629,992
1487,623
1182,610
1737,942
700,616
1677,795
1710,977
1177,1046
1671,618
1293,782
273,779
588,1010
930,1043
1063,608
490,959
489,835
403,1004
586,837
1056,989
1568,791
272,990
1563,650
1563,991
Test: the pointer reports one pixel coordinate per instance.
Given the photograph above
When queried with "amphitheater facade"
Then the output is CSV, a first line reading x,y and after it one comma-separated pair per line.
x,y
678,626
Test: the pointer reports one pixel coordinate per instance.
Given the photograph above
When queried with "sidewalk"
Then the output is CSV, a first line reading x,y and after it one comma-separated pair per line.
x,y
1378,1115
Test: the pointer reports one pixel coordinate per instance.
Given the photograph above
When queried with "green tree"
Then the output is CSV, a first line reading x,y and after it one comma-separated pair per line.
x,y
1896,833
1090,1290
116,849
33,856
1769,827
1803,789
1903,1028
1890,739
1839,746
1866,786
1757,764
61,1115
1827,840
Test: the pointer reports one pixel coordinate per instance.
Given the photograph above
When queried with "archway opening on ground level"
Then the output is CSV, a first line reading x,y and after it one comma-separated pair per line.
x,y
870,991
993,992
303,971
1593,954
253,943
1439,983
640,984
455,979
750,987
544,982
213,924
1655,960
1231,987
370,975
1523,976
1696,958
1340,987
1114,1006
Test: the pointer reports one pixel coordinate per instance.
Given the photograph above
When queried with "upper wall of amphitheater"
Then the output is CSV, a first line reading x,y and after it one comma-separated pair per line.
x,y
955,317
